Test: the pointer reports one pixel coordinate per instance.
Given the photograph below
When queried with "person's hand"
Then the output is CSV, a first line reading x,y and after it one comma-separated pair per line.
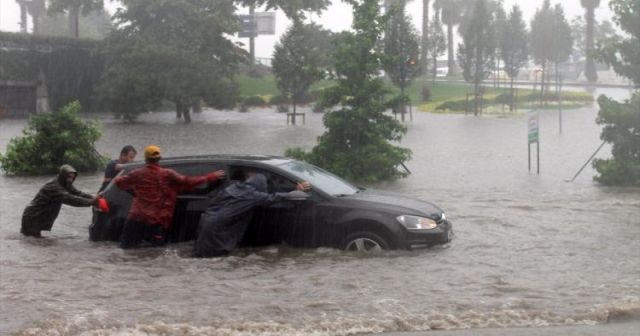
x,y
96,199
303,186
216,175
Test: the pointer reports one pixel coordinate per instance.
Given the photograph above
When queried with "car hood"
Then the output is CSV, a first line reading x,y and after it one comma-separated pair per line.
x,y
394,203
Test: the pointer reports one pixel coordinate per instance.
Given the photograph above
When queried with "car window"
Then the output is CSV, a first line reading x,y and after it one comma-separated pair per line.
x,y
319,178
197,169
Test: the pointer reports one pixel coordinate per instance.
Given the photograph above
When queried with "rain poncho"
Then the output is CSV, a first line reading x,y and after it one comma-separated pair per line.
x,y
44,208
226,219
155,191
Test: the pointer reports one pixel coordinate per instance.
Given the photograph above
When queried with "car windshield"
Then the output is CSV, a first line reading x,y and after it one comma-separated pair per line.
x,y
320,178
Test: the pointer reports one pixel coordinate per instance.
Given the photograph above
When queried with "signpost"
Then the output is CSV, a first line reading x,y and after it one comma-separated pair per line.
x,y
256,24
534,137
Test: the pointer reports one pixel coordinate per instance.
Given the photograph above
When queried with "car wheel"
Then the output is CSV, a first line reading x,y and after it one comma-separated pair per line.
x,y
365,242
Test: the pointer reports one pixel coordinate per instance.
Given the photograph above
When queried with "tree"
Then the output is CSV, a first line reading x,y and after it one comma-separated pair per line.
x,y
426,37
622,120
590,66
623,54
451,14
477,50
356,144
551,40
437,44
73,8
514,47
177,50
401,45
95,25
292,8
602,31
51,140
37,9
299,60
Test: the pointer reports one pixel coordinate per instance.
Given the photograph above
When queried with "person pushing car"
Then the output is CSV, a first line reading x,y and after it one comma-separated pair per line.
x,y
155,189
43,210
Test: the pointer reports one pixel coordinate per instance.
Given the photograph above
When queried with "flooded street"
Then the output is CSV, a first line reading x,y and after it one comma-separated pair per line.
x,y
528,250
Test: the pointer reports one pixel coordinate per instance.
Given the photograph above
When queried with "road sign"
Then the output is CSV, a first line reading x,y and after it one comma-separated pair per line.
x,y
533,128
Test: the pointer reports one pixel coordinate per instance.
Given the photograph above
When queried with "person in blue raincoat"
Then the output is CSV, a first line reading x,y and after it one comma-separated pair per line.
x,y
226,219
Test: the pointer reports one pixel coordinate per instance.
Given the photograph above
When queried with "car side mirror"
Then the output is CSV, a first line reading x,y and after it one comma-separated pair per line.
x,y
296,195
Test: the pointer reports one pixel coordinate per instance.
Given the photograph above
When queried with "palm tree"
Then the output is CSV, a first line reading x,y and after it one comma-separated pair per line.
x,y
36,9
451,10
23,15
424,43
590,66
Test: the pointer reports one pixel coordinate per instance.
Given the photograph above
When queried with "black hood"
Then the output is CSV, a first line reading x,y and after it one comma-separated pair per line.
x,y
394,203
64,171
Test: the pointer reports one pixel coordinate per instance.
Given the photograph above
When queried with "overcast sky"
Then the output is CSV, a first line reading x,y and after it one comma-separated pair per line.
x,y
336,18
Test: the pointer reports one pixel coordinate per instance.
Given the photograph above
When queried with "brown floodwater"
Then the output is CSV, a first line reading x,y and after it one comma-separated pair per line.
x,y
528,250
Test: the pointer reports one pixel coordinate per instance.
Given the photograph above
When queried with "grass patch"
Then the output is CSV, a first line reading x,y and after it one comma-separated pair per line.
x,y
444,97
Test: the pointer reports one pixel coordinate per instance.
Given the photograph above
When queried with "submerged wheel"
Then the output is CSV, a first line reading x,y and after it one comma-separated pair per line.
x,y
365,242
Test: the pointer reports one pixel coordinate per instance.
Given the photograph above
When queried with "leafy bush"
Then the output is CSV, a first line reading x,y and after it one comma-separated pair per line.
x,y
51,140
254,101
278,100
621,122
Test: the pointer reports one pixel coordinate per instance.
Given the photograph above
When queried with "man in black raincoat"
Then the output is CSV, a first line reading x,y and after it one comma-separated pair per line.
x,y
226,219
43,210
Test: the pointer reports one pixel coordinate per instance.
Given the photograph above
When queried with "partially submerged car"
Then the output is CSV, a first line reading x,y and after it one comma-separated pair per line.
x,y
334,213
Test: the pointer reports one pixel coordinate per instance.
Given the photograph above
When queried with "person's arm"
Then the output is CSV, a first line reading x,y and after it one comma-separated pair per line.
x,y
189,182
62,195
72,190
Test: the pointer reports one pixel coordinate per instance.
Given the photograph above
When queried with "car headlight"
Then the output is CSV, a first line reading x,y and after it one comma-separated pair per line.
x,y
417,222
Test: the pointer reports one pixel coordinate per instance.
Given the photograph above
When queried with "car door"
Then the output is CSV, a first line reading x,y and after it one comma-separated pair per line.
x,y
191,203
293,222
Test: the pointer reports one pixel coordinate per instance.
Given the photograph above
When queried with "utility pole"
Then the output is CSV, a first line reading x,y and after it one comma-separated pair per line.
x,y
252,38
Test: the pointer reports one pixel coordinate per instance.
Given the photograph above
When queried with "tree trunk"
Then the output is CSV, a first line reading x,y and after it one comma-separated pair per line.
x,y
511,99
179,110
425,36
450,60
293,116
74,21
186,114
590,67
23,16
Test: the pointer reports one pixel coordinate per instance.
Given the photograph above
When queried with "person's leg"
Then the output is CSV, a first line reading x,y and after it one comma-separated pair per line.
x,y
29,229
156,235
131,234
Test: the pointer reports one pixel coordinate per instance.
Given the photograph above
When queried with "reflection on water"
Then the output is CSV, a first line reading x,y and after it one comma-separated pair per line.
x,y
529,250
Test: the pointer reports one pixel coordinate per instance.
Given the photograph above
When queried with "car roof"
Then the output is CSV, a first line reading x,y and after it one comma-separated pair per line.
x,y
271,160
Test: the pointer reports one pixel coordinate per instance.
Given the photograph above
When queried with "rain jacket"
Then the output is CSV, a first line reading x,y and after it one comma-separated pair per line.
x,y
226,219
44,208
155,190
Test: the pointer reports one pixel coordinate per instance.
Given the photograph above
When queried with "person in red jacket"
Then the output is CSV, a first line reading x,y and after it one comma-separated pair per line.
x,y
155,190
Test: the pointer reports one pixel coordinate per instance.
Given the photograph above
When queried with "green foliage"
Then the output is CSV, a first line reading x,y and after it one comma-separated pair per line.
x,y
51,140
292,8
299,60
177,50
401,46
71,67
278,99
437,45
513,43
622,129
356,144
477,51
551,39
623,53
254,101
622,120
